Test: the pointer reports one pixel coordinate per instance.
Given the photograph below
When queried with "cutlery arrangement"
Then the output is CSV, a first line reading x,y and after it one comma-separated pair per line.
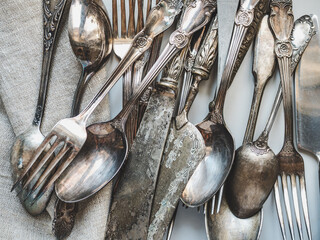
x,y
150,152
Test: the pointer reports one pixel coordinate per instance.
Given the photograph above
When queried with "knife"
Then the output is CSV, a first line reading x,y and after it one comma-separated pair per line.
x,y
184,147
307,97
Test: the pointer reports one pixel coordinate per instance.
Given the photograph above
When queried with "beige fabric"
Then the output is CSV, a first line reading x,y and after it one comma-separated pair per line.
x,y
20,66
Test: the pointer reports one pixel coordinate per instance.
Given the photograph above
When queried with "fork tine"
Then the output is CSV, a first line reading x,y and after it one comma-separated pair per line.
x,y
55,176
213,202
51,166
37,153
279,209
287,203
131,25
296,203
123,19
140,16
115,18
42,162
303,193
148,7
219,198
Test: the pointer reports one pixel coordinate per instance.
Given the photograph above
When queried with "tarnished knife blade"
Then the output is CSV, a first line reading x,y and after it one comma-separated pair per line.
x,y
226,13
307,96
132,198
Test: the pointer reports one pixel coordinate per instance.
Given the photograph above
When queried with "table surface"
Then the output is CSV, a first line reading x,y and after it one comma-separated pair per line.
x,y
189,223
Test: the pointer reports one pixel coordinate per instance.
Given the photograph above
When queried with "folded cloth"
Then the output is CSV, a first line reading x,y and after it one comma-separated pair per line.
x,y
21,39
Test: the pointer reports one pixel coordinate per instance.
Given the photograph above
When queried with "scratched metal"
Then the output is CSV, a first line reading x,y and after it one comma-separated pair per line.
x,y
131,199
184,149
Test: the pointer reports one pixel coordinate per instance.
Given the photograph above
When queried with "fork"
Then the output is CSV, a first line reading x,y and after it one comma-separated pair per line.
x,y
70,133
291,164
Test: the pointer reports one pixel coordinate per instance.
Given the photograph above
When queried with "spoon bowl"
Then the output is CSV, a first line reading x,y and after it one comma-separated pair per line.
x,y
214,168
254,160
96,162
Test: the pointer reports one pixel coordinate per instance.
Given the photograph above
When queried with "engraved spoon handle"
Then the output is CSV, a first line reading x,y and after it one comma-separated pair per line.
x,y
51,19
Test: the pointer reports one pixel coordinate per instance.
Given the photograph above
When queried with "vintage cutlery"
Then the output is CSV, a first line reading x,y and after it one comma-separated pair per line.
x,y
290,161
254,171
140,173
213,170
225,226
90,37
71,132
27,142
184,147
307,97
258,152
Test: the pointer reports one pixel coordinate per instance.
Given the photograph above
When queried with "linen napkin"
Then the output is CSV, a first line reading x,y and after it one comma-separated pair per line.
x,y
21,38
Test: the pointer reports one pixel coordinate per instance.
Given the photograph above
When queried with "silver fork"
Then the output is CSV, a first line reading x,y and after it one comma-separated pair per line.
x,y
70,133
291,164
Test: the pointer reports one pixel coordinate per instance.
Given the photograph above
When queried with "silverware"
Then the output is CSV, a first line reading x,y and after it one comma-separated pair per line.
x,y
211,173
225,226
27,142
86,19
307,97
290,161
254,170
71,132
133,196
184,147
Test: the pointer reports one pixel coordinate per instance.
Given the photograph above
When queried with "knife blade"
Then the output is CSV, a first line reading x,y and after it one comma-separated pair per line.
x,y
307,97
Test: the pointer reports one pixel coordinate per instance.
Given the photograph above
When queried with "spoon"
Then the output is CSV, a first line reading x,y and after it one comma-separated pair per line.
x,y
90,37
106,147
214,168
225,226
242,192
27,142
255,171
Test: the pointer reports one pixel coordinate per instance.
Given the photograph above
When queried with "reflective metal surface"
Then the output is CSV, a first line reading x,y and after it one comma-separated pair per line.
x,y
214,169
225,226
254,169
27,142
71,132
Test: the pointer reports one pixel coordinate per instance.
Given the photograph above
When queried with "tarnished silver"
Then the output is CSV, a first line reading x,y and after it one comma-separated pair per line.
x,y
135,189
255,169
211,173
70,133
225,226
290,161
184,147
307,96
26,143
86,19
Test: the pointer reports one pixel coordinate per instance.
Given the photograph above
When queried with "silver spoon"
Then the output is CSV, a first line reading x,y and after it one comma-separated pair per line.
x,y
27,142
255,171
244,193
90,37
225,226
214,168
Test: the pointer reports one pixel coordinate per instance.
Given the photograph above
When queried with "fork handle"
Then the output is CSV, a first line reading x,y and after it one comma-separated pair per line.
x,y
51,19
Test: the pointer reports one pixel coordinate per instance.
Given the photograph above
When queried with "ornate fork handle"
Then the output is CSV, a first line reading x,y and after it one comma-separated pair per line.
x,y
51,19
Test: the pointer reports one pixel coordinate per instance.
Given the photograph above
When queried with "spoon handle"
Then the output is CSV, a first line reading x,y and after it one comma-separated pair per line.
x,y
246,25
160,18
281,22
178,40
51,15
263,67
